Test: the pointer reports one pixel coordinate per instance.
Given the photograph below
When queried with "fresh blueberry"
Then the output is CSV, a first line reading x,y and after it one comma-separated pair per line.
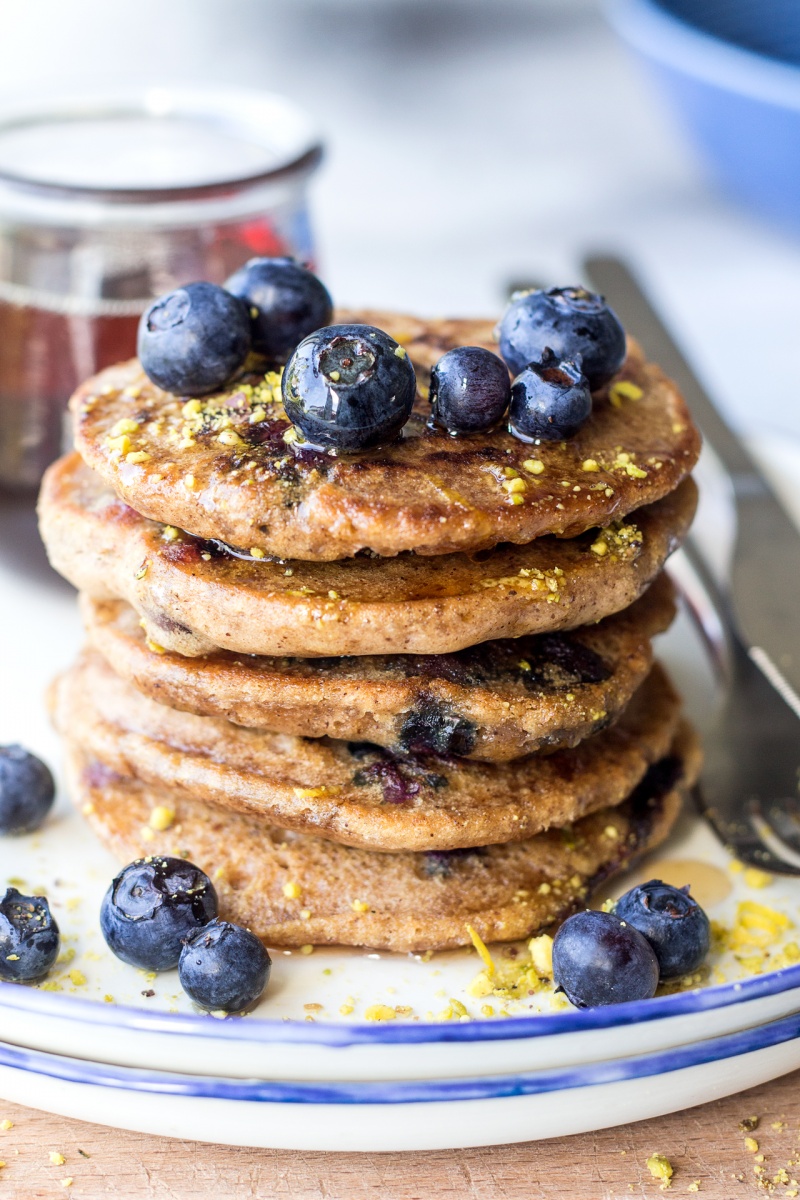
x,y
27,790
285,302
193,340
598,959
673,923
573,322
470,389
348,387
29,938
152,906
550,400
224,967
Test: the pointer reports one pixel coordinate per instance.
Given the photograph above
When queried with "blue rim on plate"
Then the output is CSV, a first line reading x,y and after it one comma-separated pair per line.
x,y
123,1017
73,1070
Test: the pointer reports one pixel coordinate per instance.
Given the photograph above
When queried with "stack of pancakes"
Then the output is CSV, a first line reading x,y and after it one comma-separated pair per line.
x,y
378,698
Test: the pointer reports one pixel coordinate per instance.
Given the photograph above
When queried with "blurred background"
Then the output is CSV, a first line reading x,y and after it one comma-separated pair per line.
x,y
470,143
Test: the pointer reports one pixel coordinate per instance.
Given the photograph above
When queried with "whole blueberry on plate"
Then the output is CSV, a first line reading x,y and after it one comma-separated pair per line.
x,y
29,937
152,906
550,400
224,967
470,389
193,340
575,323
349,387
598,959
27,790
285,302
672,921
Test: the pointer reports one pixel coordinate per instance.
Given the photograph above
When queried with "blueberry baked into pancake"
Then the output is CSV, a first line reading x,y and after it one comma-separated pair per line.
x,y
369,602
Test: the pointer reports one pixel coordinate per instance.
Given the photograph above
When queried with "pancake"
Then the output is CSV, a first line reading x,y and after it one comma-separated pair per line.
x,y
355,793
402,902
427,492
195,598
494,702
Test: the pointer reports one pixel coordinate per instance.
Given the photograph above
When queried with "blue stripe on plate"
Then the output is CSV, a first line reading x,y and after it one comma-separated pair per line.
x,y
101,1075
16,996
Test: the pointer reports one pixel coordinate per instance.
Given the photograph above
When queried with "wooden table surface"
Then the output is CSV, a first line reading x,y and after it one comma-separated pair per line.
x,y
705,1146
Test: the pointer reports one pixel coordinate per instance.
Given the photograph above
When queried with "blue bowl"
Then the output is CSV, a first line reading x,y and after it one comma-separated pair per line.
x,y
731,69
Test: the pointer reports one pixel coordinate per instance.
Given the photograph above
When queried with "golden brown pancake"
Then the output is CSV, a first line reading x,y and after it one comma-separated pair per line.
x,y
220,467
493,702
403,902
195,598
355,793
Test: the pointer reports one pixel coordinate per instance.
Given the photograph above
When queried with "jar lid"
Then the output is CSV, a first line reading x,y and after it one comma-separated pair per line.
x,y
155,146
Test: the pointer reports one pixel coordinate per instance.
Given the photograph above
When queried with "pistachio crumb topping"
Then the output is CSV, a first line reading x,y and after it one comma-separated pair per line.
x,y
660,1167
161,818
756,878
119,445
482,949
229,437
620,541
380,1012
625,462
541,952
123,426
624,389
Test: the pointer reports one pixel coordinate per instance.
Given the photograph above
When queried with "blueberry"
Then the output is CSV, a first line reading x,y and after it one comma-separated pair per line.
x,y
193,340
151,906
550,400
285,302
599,959
224,967
29,937
673,923
348,387
470,389
573,322
27,790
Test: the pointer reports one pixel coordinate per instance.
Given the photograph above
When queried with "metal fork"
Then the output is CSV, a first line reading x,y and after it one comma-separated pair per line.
x,y
751,744
749,787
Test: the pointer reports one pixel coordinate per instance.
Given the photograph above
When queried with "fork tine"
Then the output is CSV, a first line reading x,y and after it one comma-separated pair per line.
x,y
745,840
779,823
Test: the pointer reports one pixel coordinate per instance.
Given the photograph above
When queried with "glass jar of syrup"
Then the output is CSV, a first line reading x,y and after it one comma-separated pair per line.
x,y
106,202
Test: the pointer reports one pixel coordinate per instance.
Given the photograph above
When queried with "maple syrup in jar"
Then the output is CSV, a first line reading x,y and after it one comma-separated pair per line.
x,y
107,202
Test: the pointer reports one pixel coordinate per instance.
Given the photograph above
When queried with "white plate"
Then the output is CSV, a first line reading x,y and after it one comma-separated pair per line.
x,y
379,1117
279,1042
